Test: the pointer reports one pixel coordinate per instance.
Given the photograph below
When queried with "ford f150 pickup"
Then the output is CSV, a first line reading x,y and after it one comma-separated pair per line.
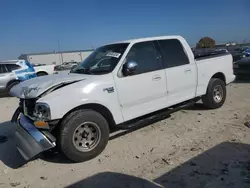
x,y
117,84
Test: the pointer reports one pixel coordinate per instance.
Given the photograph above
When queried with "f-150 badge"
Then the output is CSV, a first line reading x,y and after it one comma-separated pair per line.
x,y
109,89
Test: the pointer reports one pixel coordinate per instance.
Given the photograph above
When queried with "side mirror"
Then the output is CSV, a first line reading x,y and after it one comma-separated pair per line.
x,y
129,68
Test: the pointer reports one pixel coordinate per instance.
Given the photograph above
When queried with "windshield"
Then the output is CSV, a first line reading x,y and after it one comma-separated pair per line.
x,y
102,61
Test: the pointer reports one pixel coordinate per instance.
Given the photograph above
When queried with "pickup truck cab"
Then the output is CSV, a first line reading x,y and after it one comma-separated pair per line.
x,y
118,83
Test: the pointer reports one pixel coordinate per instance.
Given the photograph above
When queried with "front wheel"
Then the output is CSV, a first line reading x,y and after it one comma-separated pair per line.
x,y
83,135
216,94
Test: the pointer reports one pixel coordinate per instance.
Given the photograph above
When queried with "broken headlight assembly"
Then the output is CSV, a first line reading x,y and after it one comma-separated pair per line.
x,y
42,112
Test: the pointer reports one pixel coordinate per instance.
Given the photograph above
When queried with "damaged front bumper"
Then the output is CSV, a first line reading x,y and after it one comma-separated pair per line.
x,y
29,140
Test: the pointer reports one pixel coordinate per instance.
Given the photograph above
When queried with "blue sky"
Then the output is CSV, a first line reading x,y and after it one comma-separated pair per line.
x,y
29,26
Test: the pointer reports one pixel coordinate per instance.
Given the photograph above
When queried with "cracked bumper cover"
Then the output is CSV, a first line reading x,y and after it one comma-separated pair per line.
x,y
29,140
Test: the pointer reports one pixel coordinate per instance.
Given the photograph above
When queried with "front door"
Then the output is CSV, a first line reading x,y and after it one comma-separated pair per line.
x,y
145,90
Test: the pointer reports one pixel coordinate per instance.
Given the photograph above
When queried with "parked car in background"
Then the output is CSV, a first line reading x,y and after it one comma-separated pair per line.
x,y
246,53
245,48
242,68
220,51
66,66
36,65
43,70
238,53
118,85
13,72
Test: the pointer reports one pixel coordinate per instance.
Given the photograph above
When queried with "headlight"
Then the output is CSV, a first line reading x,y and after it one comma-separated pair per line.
x,y
42,112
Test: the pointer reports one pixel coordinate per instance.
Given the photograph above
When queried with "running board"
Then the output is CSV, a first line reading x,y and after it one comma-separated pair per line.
x,y
162,114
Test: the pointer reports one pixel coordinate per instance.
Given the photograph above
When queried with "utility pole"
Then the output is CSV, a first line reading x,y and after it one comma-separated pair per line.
x,y
59,53
58,45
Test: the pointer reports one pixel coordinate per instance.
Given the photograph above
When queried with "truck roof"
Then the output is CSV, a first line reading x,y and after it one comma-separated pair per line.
x,y
150,38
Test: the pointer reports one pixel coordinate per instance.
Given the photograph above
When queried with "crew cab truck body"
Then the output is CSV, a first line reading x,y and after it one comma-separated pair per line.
x,y
117,83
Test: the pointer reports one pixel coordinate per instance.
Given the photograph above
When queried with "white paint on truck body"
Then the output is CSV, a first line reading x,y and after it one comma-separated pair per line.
x,y
139,94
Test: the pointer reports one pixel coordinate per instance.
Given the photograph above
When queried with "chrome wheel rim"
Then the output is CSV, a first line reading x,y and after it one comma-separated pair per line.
x,y
218,94
86,136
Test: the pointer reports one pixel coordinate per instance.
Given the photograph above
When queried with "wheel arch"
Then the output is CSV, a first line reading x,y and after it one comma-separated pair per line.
x,y
43,72
104,111
220,76
10,82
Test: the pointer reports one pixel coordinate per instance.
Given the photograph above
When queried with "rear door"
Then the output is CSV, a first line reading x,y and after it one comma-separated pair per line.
x,y
144,91
181,75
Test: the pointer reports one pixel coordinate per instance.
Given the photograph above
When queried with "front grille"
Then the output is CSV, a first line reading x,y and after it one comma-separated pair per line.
x,y
21,105
27,106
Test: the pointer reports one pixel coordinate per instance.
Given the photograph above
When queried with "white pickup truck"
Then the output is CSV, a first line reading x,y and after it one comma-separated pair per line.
x,y
43,70
117,85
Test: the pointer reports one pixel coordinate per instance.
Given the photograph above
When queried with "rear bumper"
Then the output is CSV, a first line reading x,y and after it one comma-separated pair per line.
x,y
231,79
29,140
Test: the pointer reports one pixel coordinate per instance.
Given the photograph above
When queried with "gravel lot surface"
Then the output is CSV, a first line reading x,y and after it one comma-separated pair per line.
x,y
194,147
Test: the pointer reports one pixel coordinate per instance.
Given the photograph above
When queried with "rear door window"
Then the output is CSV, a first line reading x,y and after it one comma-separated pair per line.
x,y
11,67
3,69
173,53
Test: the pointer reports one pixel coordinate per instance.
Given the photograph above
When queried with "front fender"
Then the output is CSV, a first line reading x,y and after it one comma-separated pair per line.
x,y
70,97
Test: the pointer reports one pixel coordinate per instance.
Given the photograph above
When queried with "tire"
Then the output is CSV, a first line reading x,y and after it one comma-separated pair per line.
x,y
74,149
212,100
41,74
11,85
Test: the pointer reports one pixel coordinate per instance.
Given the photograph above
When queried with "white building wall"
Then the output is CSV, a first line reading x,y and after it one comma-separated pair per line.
x,y
58,58
45,59
72,56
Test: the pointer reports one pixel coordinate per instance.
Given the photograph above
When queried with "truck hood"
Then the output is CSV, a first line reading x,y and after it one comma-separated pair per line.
x,y
37,86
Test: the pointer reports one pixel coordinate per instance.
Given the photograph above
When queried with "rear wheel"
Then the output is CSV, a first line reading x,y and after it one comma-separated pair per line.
x,y
216,94
83,135
41,74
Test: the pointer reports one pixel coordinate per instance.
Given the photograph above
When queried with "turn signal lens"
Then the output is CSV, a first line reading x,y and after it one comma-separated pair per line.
x,y
41,124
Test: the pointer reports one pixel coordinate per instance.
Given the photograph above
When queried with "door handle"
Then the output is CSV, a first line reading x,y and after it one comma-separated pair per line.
x,y
187,70
156,78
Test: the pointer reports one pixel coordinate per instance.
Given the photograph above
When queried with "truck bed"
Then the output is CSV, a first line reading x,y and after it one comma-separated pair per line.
x,y
207,66
209,55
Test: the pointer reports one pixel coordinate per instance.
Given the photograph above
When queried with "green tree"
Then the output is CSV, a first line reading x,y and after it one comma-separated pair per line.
x,y
206,42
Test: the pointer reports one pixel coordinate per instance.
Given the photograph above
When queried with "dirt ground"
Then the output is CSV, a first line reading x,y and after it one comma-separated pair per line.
x,y
192,148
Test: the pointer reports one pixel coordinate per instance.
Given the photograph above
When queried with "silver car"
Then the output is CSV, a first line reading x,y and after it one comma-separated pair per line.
x,y
13,72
